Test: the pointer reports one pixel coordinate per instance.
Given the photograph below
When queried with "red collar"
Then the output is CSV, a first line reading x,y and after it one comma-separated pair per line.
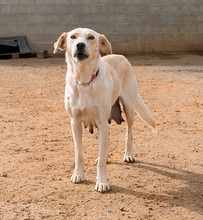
x,y
91,80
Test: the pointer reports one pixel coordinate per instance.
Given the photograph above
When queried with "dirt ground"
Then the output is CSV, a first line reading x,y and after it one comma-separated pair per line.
x,y
37,156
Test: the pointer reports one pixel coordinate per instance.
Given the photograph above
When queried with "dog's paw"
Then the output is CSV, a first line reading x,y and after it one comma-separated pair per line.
x,y
77,178
102,187
129,159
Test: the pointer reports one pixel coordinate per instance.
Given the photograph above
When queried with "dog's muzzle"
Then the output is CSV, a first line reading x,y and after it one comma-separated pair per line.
x,y
81,53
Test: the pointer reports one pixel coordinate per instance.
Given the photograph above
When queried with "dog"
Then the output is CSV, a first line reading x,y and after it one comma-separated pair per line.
x,y
96,88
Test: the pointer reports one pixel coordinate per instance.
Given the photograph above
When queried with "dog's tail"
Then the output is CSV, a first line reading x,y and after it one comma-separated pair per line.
x,y
143,112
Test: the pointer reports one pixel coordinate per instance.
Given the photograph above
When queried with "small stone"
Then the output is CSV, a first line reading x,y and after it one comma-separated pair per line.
x,y
5,175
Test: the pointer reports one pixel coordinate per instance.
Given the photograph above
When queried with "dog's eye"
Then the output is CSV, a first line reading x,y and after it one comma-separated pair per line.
x,y
90,37
73,37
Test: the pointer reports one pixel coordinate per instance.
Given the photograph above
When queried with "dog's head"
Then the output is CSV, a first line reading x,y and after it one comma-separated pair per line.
x,y
82,44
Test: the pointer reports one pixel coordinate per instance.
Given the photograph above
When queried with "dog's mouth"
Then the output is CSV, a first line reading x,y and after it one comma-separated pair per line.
x,y
81,56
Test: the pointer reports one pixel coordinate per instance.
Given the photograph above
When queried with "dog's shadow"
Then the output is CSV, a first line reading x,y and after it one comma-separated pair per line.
x,y
189,196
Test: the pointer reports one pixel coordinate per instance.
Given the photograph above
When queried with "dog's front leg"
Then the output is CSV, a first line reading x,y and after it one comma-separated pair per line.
x,y
103,137
78,174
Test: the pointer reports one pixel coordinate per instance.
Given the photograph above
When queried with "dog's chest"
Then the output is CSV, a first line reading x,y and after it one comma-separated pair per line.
x,y
82,104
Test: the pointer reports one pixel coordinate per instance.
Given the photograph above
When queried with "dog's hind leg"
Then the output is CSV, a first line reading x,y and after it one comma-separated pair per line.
x,y
130,114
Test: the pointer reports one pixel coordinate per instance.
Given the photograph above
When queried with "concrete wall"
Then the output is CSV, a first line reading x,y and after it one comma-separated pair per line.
x,y
130,25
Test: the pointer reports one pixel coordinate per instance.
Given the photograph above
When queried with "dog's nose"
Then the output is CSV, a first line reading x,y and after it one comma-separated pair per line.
x,y
80,46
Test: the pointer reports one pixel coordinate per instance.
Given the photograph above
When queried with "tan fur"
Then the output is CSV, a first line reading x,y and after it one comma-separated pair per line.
x,y
89,99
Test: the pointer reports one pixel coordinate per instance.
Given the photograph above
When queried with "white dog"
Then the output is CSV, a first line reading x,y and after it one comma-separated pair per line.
x,y
95,88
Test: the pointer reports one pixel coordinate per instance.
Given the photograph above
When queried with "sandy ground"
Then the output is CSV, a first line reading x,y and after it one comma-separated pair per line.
x,y
36,149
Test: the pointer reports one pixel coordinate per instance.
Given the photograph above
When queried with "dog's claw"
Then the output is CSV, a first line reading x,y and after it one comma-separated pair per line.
x,y
75,178
102,187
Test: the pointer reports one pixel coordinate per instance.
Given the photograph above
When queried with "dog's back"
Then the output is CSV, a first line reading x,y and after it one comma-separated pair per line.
x,y
120,64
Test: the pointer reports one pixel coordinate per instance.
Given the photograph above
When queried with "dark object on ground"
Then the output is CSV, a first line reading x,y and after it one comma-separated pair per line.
x,y
12,45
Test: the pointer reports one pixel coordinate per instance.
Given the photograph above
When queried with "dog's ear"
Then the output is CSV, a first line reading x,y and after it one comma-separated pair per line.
x,y
60,43
104,45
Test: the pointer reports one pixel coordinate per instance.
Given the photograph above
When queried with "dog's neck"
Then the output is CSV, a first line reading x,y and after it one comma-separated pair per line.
x,y
91,80
83,72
